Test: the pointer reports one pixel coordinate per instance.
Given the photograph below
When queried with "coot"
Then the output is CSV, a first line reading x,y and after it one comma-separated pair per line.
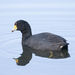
x,y
41,41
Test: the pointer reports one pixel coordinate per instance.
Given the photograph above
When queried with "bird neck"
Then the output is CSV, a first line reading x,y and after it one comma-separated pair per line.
x,y
25,36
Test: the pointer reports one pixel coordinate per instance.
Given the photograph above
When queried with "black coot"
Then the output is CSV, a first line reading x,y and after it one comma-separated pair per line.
x,y
42,41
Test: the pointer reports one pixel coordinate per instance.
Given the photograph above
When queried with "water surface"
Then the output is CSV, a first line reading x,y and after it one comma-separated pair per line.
x,y
57,17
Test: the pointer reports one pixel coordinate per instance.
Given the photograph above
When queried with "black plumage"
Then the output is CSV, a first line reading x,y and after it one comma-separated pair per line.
x,y
42,41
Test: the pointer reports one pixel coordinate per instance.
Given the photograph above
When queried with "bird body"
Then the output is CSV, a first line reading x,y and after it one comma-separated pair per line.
x,y
45,41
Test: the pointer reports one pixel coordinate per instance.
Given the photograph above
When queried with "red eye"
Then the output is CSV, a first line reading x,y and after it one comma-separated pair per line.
x,y
19,24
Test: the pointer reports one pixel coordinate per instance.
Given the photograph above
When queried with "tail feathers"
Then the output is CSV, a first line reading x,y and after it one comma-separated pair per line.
x,y
64,46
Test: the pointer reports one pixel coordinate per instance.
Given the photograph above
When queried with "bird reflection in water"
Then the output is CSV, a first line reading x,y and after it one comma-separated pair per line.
x,y
27,55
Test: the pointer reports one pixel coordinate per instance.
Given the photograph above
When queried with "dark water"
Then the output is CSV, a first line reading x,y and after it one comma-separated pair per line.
x,y
27,55
56,17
